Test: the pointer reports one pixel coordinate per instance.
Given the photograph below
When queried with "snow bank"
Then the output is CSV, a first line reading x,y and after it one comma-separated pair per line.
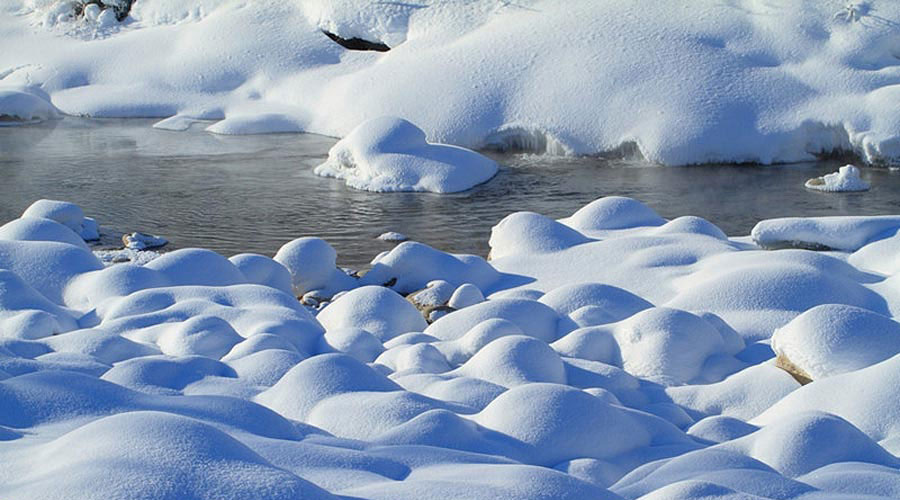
x,y
839,233
391,154
610,354
845,179
20,104
734,82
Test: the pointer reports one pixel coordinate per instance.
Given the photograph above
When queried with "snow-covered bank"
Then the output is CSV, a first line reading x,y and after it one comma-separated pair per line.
x,y
689,82
610,354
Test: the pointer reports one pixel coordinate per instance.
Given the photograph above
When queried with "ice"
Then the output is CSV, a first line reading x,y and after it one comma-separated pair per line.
x,y
391,154
611,354
845,179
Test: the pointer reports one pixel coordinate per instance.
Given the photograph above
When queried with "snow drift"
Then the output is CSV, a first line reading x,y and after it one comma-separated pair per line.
x,y
731,81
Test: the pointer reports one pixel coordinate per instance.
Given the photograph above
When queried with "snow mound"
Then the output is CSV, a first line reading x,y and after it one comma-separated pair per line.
x,y
355,342
862,397
562,423
24,105
664,345
845,179
832,339
319,378
822,233
391,154
533,318
197,266
791,446
67,214
85,459
612,212
378,310
263,270
514,360
265,123
603,303
312,263
528,232
410,266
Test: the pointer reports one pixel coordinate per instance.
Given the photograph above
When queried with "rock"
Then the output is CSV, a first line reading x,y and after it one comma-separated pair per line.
x,y
357,43
432,300
781,361
141,241
393,236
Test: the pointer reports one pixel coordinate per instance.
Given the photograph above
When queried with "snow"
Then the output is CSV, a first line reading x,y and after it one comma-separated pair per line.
x,y
312,264
486,73
393,236
609,354
20,104
840,233
832,339
845,179
378,310
391,154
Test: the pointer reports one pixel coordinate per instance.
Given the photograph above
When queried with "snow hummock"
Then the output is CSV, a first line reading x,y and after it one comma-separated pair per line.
x,y
845,179
21,104
832,339
609,354
391,154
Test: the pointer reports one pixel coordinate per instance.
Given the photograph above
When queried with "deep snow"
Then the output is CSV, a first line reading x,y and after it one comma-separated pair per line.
x,y
702,81
618,355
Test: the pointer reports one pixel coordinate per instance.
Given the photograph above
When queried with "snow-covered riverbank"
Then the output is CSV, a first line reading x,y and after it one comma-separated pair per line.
x,y
684,82
610,354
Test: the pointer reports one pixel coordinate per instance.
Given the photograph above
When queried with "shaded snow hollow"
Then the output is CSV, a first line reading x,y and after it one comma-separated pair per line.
x,y
610,354
735,81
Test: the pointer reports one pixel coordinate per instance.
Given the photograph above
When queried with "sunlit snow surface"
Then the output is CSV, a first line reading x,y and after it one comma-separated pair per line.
x,y
616,355
682,82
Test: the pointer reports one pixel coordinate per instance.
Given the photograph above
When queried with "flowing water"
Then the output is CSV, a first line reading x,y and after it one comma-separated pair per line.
x,y
253,193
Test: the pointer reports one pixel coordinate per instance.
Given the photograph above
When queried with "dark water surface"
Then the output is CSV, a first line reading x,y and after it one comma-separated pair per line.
x,y
253,193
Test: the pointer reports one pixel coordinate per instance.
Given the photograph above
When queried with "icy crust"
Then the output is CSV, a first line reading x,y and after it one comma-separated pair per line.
x,y
734,82
610,354
391,154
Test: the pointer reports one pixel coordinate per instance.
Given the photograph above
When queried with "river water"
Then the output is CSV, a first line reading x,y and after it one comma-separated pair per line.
x,y
253,193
